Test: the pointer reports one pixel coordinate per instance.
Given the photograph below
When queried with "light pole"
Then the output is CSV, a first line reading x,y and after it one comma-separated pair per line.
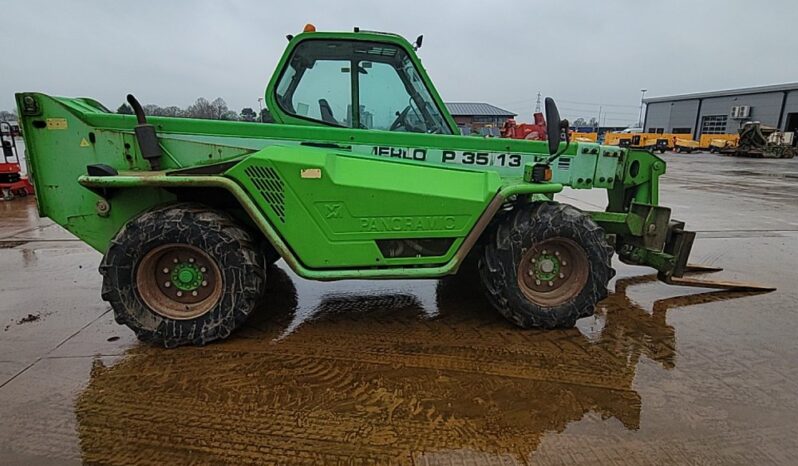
x,y
640,117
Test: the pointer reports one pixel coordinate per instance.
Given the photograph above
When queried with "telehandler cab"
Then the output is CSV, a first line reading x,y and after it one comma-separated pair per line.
x,y
362,174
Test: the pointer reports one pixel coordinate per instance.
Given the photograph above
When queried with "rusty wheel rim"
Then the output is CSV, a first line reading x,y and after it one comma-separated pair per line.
x,y
553,272
179,281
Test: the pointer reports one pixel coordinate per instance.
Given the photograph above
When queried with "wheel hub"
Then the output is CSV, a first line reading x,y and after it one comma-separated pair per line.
x,y
547,267
186,276
553,271
178,281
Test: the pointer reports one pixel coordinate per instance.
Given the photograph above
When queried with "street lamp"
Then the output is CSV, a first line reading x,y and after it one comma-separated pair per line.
x,y
640,116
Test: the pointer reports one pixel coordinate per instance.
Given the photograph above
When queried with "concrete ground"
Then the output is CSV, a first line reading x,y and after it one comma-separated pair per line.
x,y
422,372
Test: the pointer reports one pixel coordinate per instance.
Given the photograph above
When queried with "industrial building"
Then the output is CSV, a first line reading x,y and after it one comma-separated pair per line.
x,y
478,117
722,112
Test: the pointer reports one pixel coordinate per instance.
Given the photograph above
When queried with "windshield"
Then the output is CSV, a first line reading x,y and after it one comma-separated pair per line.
x,y
358,85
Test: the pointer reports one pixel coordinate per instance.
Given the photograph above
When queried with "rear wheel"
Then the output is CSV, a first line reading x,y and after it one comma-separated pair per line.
x,y
270,255
546,265
182,274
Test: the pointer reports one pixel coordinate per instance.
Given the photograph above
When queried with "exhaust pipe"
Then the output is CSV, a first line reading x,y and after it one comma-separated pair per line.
x,y
146,136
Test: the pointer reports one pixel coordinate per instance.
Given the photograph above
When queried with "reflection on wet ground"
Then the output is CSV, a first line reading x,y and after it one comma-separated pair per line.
x,y
418,372
371,380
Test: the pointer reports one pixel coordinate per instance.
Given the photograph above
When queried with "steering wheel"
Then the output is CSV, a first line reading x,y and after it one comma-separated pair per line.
x,y
401,120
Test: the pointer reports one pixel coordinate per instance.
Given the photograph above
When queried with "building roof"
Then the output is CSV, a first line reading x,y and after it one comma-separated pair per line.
x,y
724,93
477,109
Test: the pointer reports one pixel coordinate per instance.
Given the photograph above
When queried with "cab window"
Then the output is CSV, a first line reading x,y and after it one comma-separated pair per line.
x,y
324,92
358,84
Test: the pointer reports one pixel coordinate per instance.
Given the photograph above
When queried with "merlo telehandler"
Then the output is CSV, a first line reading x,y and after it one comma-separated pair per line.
x,y
361,174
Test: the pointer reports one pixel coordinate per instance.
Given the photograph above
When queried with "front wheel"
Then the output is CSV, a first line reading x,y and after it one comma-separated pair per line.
x,y
182,274
546,265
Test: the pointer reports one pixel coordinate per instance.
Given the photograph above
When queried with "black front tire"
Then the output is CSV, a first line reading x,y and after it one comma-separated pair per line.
x,y
239,262
511,240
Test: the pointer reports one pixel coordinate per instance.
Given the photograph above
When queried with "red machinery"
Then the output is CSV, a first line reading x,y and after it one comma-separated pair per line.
x,y
535,132
12,183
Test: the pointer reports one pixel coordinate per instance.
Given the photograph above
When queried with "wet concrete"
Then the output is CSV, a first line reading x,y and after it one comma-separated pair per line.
x,y
422,372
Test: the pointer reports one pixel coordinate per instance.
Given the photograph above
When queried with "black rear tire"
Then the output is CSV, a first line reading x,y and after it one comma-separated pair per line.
x,y
230,252
525,231
270,255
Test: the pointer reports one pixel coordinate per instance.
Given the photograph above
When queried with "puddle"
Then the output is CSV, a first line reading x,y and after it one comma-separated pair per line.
x,y
371,378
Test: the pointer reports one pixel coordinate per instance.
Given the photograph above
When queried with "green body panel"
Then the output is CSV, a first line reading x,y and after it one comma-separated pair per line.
x,y
332,207
341,189
124,182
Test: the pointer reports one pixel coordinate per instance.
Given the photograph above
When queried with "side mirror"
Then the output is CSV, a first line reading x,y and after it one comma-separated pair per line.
x,y
553,128
419,40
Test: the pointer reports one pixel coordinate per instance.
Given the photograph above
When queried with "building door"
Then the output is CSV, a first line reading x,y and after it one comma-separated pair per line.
x,y
792,125
713,124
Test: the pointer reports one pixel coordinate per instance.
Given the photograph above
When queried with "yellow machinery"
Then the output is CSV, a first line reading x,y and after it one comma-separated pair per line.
x,y
653,141
613,139
584,137
718,141
685,145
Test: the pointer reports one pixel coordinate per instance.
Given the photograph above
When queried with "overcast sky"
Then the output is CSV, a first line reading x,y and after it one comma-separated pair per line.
x,y
582,53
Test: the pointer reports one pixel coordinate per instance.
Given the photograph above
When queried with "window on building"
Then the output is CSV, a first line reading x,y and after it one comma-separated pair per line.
x,y
656,130
682,130
713,124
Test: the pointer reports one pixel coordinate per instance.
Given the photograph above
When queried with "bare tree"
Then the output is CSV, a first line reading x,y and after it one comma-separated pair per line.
x,y
201,109
172,111
6,115
152,109
219,108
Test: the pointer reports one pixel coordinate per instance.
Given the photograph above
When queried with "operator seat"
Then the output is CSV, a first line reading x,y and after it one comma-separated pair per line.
x,y
326,112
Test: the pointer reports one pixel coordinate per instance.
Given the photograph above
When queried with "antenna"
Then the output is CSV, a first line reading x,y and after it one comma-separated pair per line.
x,y
537,104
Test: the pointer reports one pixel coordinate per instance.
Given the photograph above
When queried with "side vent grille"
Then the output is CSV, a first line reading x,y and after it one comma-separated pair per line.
x,y
271,187
564,163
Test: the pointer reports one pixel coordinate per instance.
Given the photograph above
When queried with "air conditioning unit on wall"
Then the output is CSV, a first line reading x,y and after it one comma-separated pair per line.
x,y
741,111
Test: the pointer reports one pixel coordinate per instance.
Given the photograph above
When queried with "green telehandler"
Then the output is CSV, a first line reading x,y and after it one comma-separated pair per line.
x,y
360,174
